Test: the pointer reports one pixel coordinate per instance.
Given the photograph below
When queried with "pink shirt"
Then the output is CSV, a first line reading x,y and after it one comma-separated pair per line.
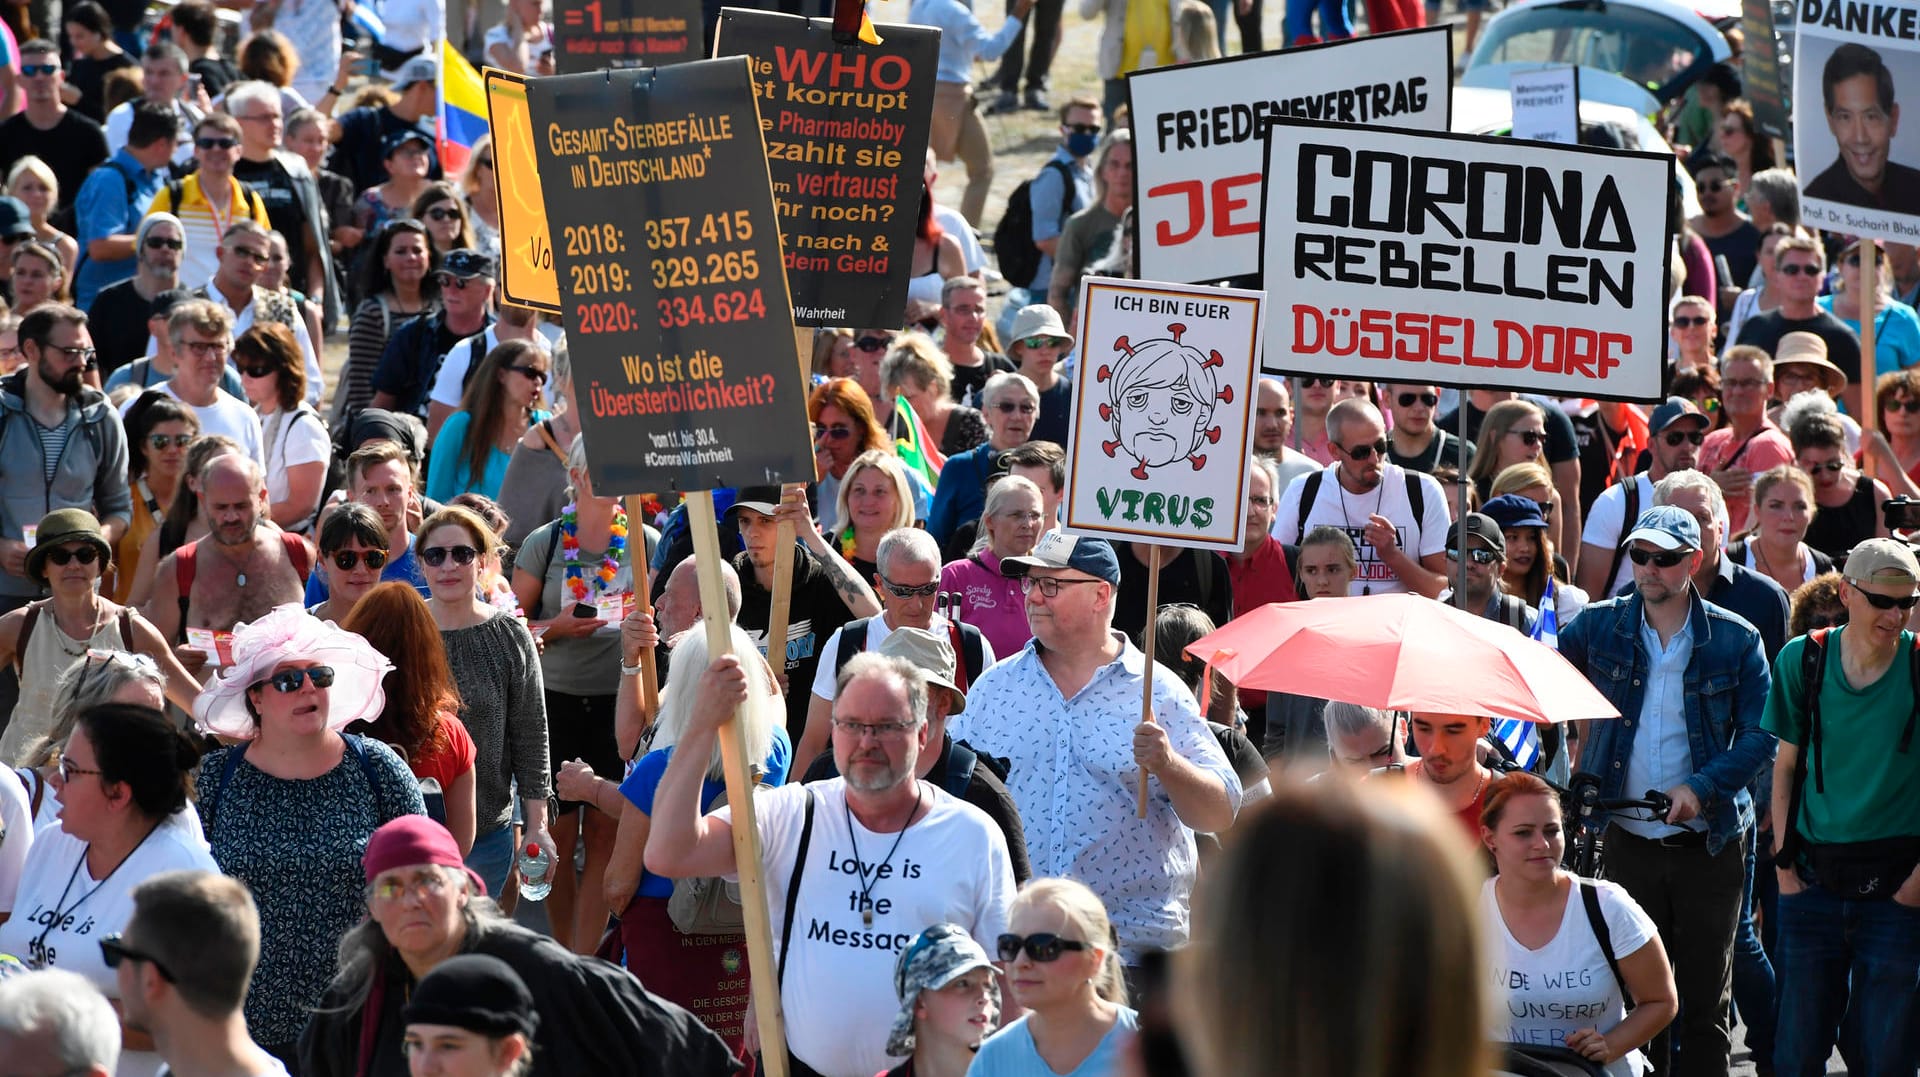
x,y
1769,448
989,601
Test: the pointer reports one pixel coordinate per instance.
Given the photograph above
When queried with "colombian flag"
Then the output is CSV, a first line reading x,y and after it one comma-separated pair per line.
x,y
463,109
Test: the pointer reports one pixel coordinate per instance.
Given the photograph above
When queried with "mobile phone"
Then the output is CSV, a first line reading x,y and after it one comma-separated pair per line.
x,y
581,609
193,85
1902,513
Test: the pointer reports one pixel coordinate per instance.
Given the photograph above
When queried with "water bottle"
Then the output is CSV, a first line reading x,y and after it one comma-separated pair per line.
x,y
536,872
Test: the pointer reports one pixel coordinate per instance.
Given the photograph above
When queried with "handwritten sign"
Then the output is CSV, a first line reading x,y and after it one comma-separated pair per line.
x,y
668,252
1546,104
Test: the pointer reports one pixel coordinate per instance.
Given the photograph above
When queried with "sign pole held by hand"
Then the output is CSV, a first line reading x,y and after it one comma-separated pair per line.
x,y
1147,643
1869,309
755,911
782,606
637,557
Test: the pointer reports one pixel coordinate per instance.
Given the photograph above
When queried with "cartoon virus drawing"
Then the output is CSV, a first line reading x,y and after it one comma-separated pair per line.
x,y
1160,400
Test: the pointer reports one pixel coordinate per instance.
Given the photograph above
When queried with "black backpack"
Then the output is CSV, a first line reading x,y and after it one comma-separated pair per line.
x,y
1416,499
1013,236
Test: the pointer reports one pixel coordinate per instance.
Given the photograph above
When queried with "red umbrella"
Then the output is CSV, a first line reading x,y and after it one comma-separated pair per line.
x,y
1400,652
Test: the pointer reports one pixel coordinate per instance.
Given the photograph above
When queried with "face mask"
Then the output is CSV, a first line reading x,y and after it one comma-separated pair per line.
x,y
1079,144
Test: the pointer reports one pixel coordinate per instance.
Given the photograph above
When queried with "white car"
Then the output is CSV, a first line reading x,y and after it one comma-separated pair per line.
x,y
1638,54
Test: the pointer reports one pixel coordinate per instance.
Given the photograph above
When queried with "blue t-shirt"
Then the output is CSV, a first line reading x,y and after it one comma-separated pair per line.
x,y
406,569
1010,1052
1896,334
111,203
645,779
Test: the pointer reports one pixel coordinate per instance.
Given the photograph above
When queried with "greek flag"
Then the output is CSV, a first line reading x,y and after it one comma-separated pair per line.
x,y
1521,737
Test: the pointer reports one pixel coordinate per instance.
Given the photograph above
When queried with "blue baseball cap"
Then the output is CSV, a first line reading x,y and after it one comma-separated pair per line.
x,y
1668,527
1092,556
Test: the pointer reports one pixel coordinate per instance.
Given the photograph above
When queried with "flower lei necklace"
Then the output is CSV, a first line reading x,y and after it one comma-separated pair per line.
x,y
570,549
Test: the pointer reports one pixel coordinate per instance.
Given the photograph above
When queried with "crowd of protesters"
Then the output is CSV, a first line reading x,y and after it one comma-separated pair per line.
x,y
290,807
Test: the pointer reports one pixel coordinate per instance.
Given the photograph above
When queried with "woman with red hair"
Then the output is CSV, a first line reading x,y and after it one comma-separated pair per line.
x,y
844,427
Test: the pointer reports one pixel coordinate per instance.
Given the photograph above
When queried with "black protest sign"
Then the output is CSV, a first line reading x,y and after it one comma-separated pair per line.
x,y
846,128
669,262
625,33
1760,69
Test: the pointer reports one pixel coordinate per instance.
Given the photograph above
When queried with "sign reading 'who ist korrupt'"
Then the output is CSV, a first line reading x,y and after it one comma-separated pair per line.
x,y
668,253
846,128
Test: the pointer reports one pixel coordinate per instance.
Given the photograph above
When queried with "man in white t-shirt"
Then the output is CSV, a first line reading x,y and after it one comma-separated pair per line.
x,y
202,335
163,72
1397,518
887,854
907,582
1675,432
242,255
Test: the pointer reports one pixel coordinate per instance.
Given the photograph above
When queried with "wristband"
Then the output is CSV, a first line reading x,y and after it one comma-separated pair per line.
x,y
630,671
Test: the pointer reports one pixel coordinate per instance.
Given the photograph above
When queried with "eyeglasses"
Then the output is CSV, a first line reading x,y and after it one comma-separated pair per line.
x,y
38,70
1048,585
286,682
1884,602
1529,438
873,344
876,730
1690,321
68,770
436,556
1082,128
426,885
1408,400
204,348
1910,405
1008,407
1831,465
1363,452
1260,502
1044,947
538,376
1674,438
254,255
1042,342
1478,557
1658,558
901,590
1312,383
1800,269
216,143
160,243
260,117
258,371
161,441
438,214
61,555
113,951
348,560
1743,383
837,432
74,351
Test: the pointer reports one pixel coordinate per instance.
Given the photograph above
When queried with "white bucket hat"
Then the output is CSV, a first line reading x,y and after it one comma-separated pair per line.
x,y
285,633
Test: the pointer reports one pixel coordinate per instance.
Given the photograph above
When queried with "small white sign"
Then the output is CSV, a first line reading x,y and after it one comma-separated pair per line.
x,y
1546,104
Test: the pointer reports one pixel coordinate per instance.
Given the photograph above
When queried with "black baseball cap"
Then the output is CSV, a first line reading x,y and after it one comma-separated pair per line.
x,y
1482,527
465,263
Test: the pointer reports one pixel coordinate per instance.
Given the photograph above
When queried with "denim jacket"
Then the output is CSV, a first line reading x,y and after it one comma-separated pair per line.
x,y
1726,688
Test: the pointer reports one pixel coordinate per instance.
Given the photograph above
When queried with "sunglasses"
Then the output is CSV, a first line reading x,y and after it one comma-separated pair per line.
x,y
348,560
438,214
161,441
113,951
1408,400
257,371
461,284
1822,620
484,162
36,70
1545,508
1690,321
539,376
1800,269
929,323
836,432
1674,438
1043,947
86,555
436,556
1008,407
1042,342
1083,128
1313,383
1365,451
257,257
1831,465
1529,438
900,590
1658,558
216,143
873,344
1885,602
1714,186
1478,557
286,682
157,243
1910,405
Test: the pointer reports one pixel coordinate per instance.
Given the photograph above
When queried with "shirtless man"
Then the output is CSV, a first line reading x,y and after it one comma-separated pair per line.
x,y
243,568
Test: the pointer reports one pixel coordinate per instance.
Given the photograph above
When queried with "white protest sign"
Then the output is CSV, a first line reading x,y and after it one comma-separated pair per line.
x,y
1472,262
1546,104
1199,131
1859,166
1160,439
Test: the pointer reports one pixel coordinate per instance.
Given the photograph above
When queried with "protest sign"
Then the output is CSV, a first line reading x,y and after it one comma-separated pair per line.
x,y
669,259
1546,104
1856,62
846,129
526,250
1158,451
1200,130
625,33
1473,262
1760,69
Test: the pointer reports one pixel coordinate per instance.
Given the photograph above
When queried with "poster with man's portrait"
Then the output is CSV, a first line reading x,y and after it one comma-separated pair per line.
x,y
1859,165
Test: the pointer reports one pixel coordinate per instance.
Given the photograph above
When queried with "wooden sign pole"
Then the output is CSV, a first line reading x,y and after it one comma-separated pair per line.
x,y
779,612
1869,307
1147,646
642,596
748,864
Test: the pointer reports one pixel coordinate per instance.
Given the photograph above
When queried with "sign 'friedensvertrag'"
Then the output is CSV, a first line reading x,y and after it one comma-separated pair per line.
x,y
1199,137
1411,257
668,252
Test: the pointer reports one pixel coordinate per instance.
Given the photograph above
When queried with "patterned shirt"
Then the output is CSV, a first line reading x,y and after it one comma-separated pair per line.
x,y
1075,781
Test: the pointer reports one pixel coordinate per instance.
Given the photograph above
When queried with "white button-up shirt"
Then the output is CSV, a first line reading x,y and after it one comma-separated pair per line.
x,y
1075,782
1661,757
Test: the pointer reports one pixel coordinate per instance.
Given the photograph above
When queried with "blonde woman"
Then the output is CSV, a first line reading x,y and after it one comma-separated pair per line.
x,y
1783,507
1534,481
1514,432
39,277
875,498
32,181
1063,966
919,371
522,41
